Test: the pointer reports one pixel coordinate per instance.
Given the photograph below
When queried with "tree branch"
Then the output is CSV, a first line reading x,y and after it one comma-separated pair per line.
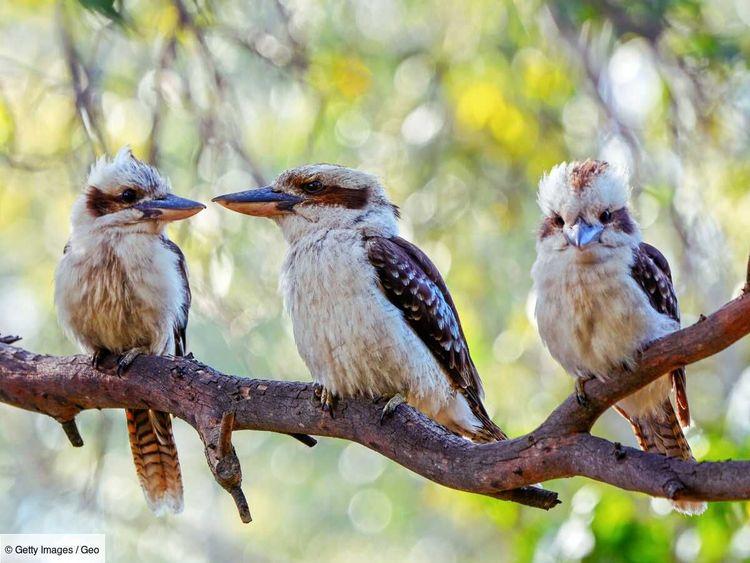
x,y
61,387
216,405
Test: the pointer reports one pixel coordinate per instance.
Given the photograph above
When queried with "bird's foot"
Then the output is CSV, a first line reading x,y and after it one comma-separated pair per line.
x,y
326,398
124,362
97,358
390,406
581,380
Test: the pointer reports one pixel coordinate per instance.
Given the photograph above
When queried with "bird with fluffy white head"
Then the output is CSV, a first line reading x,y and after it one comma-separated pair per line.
x,y
121,288
602,294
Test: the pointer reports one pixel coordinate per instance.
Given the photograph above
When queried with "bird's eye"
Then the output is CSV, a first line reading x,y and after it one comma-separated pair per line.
x,y
312,187
129,196
606,216
559,221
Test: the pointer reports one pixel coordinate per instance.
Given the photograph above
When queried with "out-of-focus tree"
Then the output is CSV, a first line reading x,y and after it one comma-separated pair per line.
x,y
460,107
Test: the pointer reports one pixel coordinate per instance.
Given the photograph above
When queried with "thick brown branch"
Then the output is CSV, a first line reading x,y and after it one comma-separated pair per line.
x,y
61,387
217,404
656,475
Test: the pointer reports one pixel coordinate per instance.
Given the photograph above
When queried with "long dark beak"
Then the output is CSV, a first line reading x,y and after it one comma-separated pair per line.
x,y
169,208
581,234
261,202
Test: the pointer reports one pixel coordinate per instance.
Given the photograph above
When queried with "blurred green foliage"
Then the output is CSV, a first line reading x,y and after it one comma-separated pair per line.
x,y
459,107
104,7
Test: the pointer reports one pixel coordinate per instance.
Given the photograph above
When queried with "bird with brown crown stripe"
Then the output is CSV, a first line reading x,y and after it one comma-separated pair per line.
x,y
122,288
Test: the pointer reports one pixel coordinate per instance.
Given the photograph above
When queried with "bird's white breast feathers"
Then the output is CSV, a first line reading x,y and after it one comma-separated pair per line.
x,y
353,340
593,317
119,292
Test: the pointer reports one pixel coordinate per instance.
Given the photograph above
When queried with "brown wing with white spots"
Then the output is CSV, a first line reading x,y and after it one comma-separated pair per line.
x,y
180,328
413,284
651,271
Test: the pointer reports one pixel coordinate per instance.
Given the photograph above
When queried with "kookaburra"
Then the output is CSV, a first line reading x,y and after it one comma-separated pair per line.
x,y
603,294
371,314
122,288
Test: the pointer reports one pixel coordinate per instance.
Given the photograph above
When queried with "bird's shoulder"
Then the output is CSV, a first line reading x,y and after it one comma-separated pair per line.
x,y
652,273
181,263
180,329
170,246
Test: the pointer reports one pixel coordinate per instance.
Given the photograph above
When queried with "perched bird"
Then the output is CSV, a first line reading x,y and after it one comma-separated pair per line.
x,y
371,314
122,288
603,294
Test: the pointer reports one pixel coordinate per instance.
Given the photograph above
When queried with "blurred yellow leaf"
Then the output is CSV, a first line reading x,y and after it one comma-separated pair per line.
x,y
46,125
347,76
477,103
155,19
6,124
514,130
542,79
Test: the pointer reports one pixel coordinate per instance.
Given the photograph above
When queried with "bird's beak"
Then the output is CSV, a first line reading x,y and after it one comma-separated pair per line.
x,y
581,234
169,208
261,202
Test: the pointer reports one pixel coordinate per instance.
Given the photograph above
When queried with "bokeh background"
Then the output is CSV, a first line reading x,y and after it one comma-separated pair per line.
x,y
459,107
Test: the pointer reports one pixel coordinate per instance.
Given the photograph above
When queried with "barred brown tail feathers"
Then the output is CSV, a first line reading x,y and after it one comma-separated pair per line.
x,y
155,458
660,432
486,435
679,384
489,431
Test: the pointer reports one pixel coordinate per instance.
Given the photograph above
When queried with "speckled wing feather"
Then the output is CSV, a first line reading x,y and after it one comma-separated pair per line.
x,y
181,328
651,271
413,284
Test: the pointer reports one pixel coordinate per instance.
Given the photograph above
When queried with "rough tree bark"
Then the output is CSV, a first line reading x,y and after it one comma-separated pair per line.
x,y
216,405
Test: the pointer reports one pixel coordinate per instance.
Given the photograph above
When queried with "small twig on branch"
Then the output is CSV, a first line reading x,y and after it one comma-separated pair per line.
x,y
225,438
71,431
309,441
9,339
223,460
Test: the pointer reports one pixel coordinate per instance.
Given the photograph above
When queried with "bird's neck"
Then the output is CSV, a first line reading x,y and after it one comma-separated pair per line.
x,y
93,239
302,229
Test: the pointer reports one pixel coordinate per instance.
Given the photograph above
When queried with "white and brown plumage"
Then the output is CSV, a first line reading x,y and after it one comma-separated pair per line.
x,y
603,293
121,288
371,314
